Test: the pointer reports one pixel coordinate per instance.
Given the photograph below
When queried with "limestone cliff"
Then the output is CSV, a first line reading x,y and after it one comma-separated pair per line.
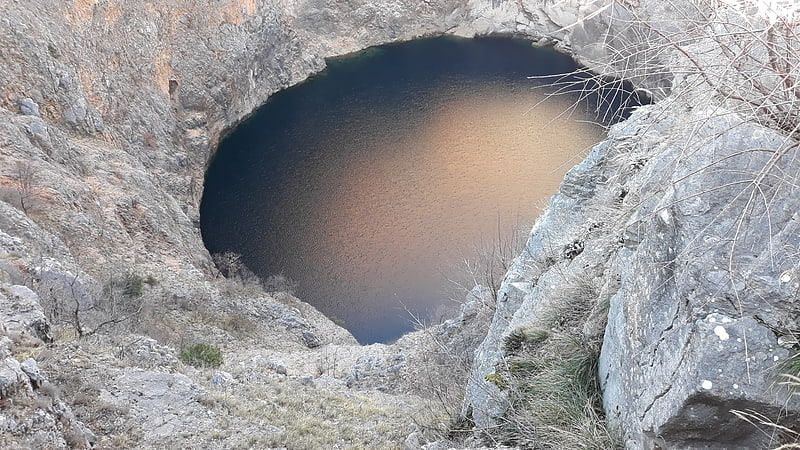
x,y
671,252
110,110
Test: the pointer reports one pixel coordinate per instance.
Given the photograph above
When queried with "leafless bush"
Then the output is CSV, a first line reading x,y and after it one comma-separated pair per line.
x,y
442,364
747,56
26,175
492,258
229,264
743,55
79,302
232,267
279,283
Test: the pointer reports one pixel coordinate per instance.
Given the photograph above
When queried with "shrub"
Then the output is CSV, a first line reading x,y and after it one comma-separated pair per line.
x,y
201,355
517,339
133,285
229,264
554,397
151,281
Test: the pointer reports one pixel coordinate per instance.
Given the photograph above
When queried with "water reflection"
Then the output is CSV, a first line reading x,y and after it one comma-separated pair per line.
x,y
371,196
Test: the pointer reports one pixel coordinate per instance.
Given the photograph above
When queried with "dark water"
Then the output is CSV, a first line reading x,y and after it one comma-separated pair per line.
x,y
370,184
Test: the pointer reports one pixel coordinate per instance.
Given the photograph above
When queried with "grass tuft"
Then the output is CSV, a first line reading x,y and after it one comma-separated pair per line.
x,y
201,355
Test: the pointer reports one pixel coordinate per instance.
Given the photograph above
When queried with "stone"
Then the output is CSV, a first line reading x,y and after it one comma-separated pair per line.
x,y
307,380
148,353
80,435
288,317
28,107
221,378
412,442
12,378
38,129
278,366
35,375
311,340
684,345
76,112
8,424
22,313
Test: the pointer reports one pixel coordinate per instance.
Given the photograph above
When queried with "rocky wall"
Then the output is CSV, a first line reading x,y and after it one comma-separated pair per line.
x,y
110,111
682,229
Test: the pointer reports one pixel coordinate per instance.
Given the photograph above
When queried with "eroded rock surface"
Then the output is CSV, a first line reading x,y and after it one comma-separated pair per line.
x,y
697,270
693,329
110,110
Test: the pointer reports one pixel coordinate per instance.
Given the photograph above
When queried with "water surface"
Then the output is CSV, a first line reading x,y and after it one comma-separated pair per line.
x,y
370,184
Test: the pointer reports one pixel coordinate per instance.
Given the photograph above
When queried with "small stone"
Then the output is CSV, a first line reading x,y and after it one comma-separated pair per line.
x,y
28,107
311,340
64,81
37,128
33,372
76,112
412,442
222,378
278,367
12,379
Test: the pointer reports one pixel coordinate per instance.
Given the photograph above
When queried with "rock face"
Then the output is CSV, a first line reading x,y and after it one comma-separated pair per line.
x,y
23,313
109,112
699,295
683,225
37,414
684,222
704,293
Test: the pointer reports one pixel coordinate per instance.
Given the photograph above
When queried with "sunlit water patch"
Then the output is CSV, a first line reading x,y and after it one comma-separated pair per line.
x,y
370,184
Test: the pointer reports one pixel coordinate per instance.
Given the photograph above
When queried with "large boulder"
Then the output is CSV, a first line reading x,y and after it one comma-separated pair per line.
x,y
688,235
709,283
21,312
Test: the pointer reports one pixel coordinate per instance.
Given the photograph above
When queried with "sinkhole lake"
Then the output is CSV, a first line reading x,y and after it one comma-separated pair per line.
x,y
370,184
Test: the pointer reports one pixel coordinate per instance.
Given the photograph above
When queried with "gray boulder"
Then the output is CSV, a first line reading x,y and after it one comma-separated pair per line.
x,y
21,312
708,285
311,340
28,107
701,279
12,378
33,372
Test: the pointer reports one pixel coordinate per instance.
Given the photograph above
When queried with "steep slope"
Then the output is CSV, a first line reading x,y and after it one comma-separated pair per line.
x,y
110,110
668,261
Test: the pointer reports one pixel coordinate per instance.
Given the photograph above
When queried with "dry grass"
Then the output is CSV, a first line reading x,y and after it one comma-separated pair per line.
x,y
550,379
303,417
773,426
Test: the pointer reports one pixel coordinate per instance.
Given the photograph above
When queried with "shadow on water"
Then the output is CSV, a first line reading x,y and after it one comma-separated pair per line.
x,y
371,183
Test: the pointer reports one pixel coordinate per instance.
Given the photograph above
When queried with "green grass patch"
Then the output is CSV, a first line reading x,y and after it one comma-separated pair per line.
x,y
554,398
133,285
201,355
